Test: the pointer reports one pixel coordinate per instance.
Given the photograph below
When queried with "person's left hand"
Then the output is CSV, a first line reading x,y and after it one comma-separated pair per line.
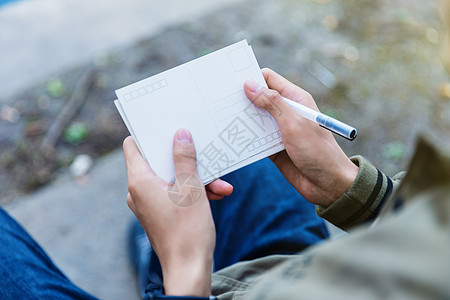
x,y
176,217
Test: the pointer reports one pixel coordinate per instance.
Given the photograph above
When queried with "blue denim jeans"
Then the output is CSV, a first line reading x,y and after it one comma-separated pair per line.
x,y
263,216
26,271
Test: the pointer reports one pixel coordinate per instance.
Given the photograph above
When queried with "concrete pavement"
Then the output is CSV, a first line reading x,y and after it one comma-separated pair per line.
x,y
39,38
82,225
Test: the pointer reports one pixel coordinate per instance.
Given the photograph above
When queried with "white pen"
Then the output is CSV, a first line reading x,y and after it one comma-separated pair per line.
x,y
323,120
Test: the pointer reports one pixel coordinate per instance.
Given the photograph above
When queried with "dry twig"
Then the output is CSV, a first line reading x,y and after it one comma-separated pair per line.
x,y
69,111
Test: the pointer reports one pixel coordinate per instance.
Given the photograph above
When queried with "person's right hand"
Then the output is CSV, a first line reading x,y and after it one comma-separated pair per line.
x,y
313,162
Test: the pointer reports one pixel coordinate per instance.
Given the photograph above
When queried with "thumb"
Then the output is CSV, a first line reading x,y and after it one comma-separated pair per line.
x,y
271,101
184,155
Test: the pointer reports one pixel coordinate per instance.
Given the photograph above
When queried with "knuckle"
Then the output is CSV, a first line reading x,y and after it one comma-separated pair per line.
x,y
135,183
267,72
132,186
269,99
129,201
184,152
308,97
308,100
274,96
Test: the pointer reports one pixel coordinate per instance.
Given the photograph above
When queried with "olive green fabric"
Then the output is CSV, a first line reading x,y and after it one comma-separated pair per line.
x,y
370,188
405,256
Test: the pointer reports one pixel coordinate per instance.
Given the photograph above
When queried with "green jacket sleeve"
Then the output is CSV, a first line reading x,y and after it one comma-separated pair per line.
x,y
363,200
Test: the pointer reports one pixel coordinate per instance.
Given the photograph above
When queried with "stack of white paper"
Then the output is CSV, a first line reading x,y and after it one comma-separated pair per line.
x,y
205,96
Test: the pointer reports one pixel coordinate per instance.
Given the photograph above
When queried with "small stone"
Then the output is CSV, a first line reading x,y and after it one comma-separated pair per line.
x,y
444,90
9,114
35,128
80,165
330,22
351,53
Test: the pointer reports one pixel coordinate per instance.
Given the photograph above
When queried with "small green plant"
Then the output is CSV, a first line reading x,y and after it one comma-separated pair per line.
x,y
55,87
76,133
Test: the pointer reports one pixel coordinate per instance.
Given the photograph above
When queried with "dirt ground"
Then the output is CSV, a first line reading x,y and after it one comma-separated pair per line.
x,y
373,64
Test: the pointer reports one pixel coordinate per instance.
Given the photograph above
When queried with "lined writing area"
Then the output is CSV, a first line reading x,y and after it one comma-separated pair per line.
x,y
229,106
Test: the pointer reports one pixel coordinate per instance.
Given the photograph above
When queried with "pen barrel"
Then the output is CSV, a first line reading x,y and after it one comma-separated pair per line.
x,y
336,126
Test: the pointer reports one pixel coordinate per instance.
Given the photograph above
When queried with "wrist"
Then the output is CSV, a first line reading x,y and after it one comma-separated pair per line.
x,y
345,178
189,278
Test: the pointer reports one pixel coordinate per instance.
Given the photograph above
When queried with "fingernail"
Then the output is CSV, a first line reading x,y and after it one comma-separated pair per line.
x,y
183,136
253,86
226,184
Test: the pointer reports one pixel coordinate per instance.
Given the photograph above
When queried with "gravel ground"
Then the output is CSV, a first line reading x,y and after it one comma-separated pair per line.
x,y
372,64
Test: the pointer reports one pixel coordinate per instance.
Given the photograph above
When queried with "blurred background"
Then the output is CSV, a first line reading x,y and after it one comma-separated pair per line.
x,y
378,65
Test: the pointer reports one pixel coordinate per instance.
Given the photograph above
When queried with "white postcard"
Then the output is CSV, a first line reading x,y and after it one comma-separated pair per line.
x,y
205,96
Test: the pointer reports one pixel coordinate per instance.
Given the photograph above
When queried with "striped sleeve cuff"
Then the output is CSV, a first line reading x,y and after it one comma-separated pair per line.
x,y
363,200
